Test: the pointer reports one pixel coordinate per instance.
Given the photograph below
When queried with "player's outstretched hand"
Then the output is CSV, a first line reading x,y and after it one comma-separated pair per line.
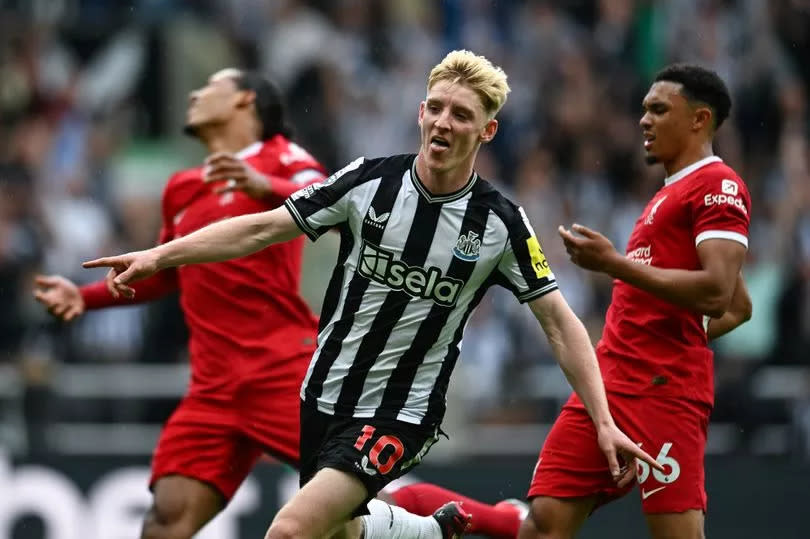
x,y
232,173
125,269
621,453
590,250
59,295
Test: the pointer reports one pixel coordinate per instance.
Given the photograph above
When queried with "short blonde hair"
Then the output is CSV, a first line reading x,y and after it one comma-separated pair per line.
x,y
476,72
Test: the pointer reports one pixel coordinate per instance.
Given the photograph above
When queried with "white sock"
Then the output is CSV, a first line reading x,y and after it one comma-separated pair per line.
x,y
392,522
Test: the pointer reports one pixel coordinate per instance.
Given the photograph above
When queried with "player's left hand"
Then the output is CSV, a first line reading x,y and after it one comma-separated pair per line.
x,y
231,173
621,453
591,250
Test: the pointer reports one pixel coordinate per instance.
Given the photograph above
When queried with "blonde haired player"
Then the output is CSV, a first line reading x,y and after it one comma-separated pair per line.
x,y
476,73
422,238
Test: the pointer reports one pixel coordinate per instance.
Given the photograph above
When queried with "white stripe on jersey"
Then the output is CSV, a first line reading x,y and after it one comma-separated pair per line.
x,y
721,234
306,176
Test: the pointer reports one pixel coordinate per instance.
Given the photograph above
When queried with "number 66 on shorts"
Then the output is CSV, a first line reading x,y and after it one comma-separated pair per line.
x,y
572,465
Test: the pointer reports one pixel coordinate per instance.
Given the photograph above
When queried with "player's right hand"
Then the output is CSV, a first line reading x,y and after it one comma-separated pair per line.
x,y
621,453
59,295
125,269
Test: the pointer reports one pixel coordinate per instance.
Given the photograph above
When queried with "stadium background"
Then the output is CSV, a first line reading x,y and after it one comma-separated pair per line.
x,y
92,97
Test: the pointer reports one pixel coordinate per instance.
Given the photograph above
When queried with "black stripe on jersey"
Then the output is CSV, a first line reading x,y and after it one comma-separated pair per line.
x,y
414,253
437,402
383,201
332,296
317,196
402,378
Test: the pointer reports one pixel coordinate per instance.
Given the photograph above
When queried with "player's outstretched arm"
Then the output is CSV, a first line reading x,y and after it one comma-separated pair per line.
x,y
223,240
572,347
738,313
707,290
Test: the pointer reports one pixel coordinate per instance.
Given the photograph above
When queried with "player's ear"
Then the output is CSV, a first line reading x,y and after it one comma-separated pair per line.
x,y
421,114
246,98
488,133
702,118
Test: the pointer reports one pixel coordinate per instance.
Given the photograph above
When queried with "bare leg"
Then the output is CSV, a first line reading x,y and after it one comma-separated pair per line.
x,y
556,518
335,494
686,525
180,507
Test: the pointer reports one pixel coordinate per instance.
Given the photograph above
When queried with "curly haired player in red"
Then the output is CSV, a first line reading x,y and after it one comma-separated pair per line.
x,y
678,285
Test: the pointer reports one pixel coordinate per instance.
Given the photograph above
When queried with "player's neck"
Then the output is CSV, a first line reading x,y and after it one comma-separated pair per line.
x,y
688,157
442,182
225,139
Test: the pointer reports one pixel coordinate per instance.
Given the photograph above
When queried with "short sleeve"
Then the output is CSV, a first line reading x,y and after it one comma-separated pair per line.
x,y
523,264
320,206
721,208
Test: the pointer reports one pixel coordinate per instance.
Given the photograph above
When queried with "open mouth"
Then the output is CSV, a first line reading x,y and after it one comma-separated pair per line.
x,y
648,140
438,143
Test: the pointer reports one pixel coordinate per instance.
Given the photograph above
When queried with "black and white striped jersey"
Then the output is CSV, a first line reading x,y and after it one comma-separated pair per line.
x,y
411,268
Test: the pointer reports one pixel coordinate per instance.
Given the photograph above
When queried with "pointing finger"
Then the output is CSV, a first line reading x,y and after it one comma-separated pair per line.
x,y
637,452
105,262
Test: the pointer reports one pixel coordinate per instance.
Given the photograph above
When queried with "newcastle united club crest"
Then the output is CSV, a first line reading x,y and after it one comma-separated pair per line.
x,y
467,247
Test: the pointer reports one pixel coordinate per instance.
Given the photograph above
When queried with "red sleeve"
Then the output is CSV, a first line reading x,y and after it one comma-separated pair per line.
x,y
96,295
721,208
282,188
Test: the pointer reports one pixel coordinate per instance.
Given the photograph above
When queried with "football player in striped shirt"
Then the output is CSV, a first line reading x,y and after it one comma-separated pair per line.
x,y
422,239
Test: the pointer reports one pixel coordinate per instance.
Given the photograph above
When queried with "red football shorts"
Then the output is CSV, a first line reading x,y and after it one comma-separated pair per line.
x,y
672,431
218,441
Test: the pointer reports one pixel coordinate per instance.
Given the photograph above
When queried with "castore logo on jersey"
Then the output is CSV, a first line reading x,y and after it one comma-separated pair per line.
x,y
377,221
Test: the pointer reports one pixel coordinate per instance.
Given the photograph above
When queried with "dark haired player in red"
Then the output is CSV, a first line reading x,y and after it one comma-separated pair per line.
x,y
251,334
678,286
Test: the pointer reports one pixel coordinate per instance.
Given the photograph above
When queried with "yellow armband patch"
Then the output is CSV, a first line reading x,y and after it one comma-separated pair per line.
x,y
539,262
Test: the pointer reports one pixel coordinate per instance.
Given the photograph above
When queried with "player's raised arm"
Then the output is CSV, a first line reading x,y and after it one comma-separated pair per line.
x,y
223,240
572,347
707,290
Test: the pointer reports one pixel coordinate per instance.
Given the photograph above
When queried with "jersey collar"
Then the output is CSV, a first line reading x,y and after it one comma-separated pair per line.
x,y
449,197
250,151
686,171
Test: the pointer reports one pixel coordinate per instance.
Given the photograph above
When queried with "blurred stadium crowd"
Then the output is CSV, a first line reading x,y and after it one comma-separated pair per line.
x,y
92,97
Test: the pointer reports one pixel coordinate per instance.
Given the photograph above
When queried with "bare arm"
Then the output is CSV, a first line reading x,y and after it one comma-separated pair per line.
x,y
572,347
738,313
707,290
223,240
231,238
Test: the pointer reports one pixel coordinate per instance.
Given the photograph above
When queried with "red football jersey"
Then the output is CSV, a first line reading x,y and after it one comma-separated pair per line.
x,y
650,346
246,318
